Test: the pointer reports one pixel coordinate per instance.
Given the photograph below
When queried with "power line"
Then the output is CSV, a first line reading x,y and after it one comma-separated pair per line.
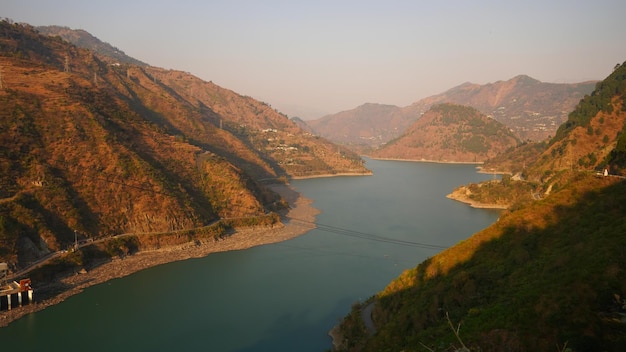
x,y
112,178
366,236
325,251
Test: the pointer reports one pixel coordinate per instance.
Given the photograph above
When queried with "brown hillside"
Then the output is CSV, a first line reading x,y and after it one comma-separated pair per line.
x,y
531,108
450,133
585,147
107,149
186,105
84,39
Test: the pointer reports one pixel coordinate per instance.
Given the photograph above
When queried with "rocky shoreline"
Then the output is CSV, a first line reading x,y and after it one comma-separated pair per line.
x,y
474,204
300,208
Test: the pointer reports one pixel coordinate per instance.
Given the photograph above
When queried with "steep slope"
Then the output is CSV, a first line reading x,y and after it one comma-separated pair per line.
x,y
591,139
262,135
77,156
84,39
450,133
547,275
544,276
532,109
98,149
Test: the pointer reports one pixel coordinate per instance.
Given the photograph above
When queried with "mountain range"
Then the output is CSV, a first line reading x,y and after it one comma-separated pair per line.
x,y
533,110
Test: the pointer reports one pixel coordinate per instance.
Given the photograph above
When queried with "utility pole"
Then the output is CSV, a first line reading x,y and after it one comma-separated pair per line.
x,y
66,67
75,240
1,79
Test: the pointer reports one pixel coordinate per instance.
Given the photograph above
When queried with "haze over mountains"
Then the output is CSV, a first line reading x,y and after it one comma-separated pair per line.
x,y
533,110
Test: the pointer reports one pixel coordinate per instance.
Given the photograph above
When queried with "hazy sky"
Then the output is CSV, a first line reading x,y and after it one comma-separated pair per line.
x,y
309,58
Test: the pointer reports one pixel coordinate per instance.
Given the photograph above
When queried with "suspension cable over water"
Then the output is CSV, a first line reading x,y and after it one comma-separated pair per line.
x,y
365,236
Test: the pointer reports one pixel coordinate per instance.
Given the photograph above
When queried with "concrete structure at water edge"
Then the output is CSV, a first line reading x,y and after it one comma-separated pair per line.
x,y
14,294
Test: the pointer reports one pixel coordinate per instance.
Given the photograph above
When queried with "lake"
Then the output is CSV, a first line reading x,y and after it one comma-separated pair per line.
x,y
279,297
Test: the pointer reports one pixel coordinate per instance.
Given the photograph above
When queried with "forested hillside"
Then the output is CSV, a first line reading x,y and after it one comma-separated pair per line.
x,y
547,275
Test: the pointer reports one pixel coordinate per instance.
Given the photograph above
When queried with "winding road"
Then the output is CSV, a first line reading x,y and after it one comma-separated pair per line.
x,y
366,316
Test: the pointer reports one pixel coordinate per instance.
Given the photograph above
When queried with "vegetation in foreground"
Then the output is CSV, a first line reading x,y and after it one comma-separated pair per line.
x,y
549,274
546,275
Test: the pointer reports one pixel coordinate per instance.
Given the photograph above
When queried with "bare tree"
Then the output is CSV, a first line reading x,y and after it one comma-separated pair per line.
x,y
456,333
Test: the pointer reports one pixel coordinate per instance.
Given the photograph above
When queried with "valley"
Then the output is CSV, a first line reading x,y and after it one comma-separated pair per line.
x,y
110,167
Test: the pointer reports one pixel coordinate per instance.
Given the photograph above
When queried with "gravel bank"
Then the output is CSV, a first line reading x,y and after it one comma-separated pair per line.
x,y
53,293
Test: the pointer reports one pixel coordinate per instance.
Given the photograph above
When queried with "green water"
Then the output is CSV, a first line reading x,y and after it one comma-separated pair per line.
x,y
280,297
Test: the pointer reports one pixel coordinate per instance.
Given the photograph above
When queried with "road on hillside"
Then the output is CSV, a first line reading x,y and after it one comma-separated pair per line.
x,y
366,316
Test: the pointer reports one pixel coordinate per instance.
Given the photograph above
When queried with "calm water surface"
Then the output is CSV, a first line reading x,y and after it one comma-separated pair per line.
x,y
280,297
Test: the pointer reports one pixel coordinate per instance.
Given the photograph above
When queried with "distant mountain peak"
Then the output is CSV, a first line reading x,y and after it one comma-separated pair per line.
x,y
531,108
525,79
